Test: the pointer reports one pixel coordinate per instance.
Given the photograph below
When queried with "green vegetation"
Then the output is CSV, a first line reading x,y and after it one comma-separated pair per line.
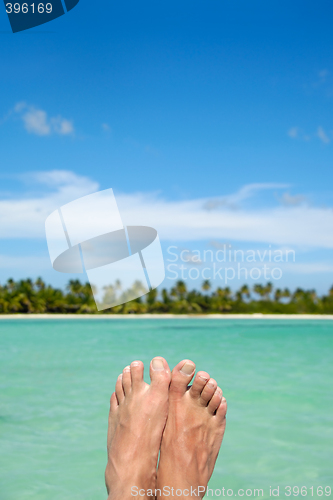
x,y
26,296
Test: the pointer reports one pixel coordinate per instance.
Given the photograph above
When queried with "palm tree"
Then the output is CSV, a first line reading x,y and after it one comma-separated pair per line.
x,y
224,292
179,290
298,294
268,288
221,300
74,287
245,291
26,296
40,284
286,293
206,286
165,296
10,284
259,289
151,297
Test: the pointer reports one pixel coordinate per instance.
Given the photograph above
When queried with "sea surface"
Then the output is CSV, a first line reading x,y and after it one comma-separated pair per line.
x,y
56,378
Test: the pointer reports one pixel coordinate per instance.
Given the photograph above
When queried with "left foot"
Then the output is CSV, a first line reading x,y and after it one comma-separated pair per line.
x,y
138,413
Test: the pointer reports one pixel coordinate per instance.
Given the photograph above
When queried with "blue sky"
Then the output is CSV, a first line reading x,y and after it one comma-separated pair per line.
x,y
199,115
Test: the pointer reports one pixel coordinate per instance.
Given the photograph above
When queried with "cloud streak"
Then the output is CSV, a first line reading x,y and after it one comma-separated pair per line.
x,y
290,224
234,201
323,136
298,133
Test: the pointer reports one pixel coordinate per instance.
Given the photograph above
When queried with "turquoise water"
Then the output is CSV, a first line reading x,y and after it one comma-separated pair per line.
x,y
56,378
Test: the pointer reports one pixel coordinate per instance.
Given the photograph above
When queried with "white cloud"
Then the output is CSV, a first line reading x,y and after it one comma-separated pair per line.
x,y
322,135
293,132
62,126
322,75
67,183
234,200
292,200
25,217
305,268
291,225
297,133
36,121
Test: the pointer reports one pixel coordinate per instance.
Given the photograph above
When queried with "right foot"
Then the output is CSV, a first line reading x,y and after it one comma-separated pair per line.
x,y
138,413
193,434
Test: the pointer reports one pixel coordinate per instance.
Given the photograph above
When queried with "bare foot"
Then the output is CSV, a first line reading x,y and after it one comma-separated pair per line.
x,y
193,434
138,413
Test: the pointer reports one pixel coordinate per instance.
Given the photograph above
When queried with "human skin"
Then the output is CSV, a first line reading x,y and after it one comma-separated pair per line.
x,y
185,424
193,434
138,413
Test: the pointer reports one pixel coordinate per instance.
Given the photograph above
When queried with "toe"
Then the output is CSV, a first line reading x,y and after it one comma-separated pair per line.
x,y
137,375
215,402
113,408
160,372
113,403
222,410
199,383
181,376
127,380
208,391
119,389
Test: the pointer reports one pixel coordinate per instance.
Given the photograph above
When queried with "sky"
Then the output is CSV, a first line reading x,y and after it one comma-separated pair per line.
x,y
211,121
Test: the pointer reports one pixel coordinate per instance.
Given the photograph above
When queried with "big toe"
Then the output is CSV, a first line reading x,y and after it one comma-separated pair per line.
x,y
181,376
159,373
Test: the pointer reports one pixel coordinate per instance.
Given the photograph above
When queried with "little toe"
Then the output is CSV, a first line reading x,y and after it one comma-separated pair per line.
x,y
137,375
113,403
113,408
119,389
181,376
159,373
127,380
215,402
199,383
208,392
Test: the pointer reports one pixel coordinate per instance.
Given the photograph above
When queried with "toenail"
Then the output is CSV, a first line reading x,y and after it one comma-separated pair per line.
x,y
127,369
203,378
157,365
211,384
135,363
223,400
188,368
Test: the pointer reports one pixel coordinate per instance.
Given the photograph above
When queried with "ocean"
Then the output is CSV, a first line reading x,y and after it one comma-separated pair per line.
x,y
56,378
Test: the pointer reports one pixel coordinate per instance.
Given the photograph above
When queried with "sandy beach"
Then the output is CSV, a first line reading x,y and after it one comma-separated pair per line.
x,y
167,316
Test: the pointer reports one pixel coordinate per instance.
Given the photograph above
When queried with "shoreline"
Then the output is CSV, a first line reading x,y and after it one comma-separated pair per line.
x,y
166,316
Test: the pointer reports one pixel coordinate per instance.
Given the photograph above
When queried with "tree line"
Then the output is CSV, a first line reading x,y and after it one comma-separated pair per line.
x,y
36,297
